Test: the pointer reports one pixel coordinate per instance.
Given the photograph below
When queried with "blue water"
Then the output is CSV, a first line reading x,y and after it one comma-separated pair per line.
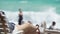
x,y
36,11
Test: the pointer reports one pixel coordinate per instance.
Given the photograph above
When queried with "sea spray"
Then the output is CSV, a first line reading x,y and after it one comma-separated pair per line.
x,y
38,17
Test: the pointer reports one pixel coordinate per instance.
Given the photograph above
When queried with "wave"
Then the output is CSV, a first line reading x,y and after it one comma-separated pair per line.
x,y
47,15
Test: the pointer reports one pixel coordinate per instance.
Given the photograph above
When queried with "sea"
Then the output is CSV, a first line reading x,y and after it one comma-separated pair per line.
x,y
36,11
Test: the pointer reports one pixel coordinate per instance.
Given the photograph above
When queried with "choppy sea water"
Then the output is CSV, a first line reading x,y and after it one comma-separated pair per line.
x,y
47,15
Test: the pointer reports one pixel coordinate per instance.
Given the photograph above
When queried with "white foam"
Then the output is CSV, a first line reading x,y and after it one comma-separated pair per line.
x,y
48,15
